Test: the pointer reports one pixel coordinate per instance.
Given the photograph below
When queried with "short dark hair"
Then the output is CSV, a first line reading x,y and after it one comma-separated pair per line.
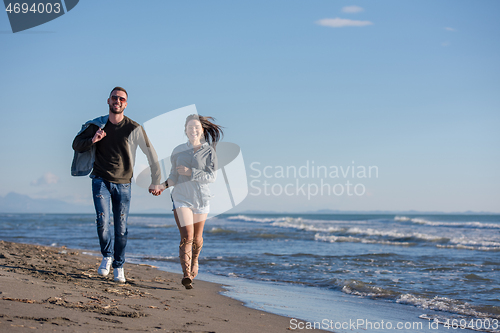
x,y
119,89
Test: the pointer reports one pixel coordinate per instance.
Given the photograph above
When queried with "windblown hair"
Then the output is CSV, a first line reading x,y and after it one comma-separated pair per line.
x,y
212,132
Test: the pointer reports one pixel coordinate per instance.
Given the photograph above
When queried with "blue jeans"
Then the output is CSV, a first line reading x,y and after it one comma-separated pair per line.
x,y
106,194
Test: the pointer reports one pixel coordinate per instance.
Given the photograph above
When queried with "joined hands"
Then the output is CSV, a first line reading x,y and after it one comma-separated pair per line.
x,y
156,190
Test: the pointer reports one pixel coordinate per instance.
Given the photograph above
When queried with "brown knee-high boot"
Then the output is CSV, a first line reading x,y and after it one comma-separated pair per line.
x,y
197,245
185,251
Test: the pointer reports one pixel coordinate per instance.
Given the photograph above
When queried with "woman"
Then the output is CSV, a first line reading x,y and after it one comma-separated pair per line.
x,y
194,166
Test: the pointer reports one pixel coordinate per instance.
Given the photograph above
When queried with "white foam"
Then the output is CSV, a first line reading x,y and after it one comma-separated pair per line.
x,y
466,241
313,225
154,258
359,288
394,234
254,219
351,239
444,304
216,230
455,224
366,235
465,247
302,225
290,222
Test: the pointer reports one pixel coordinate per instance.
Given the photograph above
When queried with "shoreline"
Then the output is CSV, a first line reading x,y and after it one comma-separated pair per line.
x,y
58,289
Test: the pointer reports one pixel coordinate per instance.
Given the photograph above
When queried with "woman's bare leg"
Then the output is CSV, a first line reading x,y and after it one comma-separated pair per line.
x,y
197,241
184,219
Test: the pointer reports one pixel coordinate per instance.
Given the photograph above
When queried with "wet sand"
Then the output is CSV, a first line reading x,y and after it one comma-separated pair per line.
x,y
51,289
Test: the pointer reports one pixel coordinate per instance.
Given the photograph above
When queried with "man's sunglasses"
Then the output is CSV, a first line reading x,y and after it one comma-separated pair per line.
x,y
116,98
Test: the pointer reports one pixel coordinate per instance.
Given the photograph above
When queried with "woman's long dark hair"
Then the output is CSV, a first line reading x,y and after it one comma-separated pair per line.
x,y
212,132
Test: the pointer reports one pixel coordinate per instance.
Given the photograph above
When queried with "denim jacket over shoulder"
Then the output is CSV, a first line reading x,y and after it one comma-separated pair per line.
x,y
84,162
203,164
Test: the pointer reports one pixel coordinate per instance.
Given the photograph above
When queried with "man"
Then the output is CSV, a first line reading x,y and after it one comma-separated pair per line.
x,y
107,145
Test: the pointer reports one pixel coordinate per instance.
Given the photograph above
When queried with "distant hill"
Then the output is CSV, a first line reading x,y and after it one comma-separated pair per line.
x,y
20,203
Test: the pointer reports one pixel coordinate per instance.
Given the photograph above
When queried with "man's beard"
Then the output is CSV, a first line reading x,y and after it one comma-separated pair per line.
x,y
115,111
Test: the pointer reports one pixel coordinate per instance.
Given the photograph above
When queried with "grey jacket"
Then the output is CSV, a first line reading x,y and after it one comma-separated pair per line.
x,y
193,189
84,162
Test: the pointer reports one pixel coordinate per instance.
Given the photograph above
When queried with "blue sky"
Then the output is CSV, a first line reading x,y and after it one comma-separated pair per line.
x,y
410,87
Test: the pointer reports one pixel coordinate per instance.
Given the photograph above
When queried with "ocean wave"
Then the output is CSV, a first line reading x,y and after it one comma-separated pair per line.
x,y
406,239
445,304
340,231
151,222
246,218
216,230
134,218
391,234
468,247
468,224
156,225
305,225
157,258
464,243
359,288
396,234
291,222
286,221
351,239
470,242
471,224
449,305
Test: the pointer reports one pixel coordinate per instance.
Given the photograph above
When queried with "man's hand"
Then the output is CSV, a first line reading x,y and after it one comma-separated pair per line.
x,y
156,190
98,136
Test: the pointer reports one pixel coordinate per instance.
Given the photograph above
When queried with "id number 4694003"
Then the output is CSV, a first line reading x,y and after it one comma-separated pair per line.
x,y
473,324
40,8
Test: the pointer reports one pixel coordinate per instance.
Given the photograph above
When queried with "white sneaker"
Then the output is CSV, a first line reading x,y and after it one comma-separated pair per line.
x,y
105,266
119,275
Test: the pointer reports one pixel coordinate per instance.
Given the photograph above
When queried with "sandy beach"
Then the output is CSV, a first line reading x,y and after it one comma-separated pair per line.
x,y
55,289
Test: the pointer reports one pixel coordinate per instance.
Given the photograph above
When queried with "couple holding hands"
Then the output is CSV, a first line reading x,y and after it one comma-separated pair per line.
x,y
107,145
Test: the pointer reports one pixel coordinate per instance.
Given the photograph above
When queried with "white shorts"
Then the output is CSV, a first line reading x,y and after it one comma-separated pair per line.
x,y
201,210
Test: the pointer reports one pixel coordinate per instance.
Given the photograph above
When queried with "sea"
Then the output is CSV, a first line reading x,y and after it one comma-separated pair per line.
x,y
337,272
